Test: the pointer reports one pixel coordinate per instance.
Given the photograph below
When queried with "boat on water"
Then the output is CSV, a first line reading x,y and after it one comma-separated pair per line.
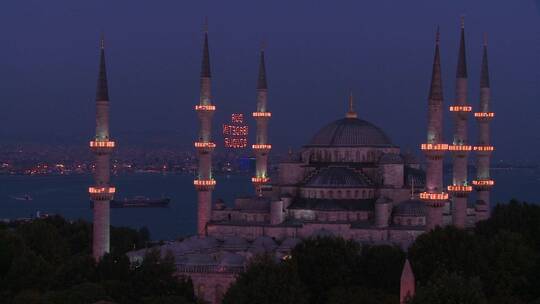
x,y
24,197
139,202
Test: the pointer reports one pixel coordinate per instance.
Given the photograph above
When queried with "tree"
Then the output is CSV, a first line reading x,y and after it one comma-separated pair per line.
x,y
452,288
267,281
326,262
445,249
381,267
360,295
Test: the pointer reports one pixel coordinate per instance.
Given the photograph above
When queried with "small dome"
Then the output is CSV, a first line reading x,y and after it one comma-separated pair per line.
x,y
337,177
412,208
234,243
263,244
289,243
232,259
390,158
200,259
350,132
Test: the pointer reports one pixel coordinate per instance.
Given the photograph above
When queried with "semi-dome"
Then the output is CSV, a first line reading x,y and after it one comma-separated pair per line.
x,y
350,132
337,177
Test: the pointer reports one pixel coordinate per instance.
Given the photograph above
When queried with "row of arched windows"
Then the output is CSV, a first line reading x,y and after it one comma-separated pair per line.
x,y
327,155
338,194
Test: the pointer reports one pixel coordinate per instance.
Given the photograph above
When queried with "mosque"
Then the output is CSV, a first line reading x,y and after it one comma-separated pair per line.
x,y
348,180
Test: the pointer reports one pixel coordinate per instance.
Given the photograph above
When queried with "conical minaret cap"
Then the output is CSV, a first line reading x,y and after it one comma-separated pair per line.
x,y
436,88
261,80
102,92
484,76
205,66
462,56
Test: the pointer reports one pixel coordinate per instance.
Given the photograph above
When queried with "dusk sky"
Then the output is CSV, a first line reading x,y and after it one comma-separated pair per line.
x,y
316,52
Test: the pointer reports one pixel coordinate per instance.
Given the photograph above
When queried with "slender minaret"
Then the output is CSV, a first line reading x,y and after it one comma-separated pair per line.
x,y
102,192
205,183
407,286
434,148
261,147
460,187
483,182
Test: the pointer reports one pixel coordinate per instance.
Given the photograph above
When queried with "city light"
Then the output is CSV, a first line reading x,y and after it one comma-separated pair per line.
x,y
204,182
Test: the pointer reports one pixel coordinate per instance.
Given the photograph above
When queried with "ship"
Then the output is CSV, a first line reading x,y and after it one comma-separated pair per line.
x,y
24,197
139,202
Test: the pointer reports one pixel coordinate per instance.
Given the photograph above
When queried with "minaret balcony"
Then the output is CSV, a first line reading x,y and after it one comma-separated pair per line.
x,y
459,189
205,146
262,114
260,180
484,148
101,193
484,116
205,108
102,146
204,184
460,148
434,147
464,108
483,184
262,147
439,196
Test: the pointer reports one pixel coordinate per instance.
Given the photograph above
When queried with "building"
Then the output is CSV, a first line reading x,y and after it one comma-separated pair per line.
x,y
348,180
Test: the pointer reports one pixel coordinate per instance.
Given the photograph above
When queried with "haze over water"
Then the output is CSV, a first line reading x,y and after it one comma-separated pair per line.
x,y
67,196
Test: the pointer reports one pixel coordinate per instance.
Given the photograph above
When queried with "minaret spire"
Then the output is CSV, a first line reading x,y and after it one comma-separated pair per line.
x,y
205,183
262,147
460,148
462,56
101,193
434,148
102,92
483,182
436,88
261,80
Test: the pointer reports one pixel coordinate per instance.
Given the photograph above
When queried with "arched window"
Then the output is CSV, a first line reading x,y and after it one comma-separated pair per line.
x,y
364,194
200,291
339,194
321,194
330,194
348,194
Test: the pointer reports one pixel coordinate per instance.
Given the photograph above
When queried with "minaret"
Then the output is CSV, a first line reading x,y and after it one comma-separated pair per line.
x,y
460,187
407,286
205,183
483,182
261,147
102,192
434,148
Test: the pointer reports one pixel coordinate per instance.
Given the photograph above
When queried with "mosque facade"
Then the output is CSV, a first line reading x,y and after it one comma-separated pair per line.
x,y
349,180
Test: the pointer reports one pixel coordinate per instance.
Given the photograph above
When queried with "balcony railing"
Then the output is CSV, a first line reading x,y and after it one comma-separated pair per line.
x,y
262,114
434,147
102,144
460,108
442,196
205,108
262,147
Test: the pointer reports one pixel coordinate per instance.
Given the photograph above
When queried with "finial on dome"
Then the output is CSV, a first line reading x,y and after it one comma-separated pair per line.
x,y
351,113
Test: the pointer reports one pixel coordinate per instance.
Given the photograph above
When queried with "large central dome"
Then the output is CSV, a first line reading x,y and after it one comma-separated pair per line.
x,y
350,132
